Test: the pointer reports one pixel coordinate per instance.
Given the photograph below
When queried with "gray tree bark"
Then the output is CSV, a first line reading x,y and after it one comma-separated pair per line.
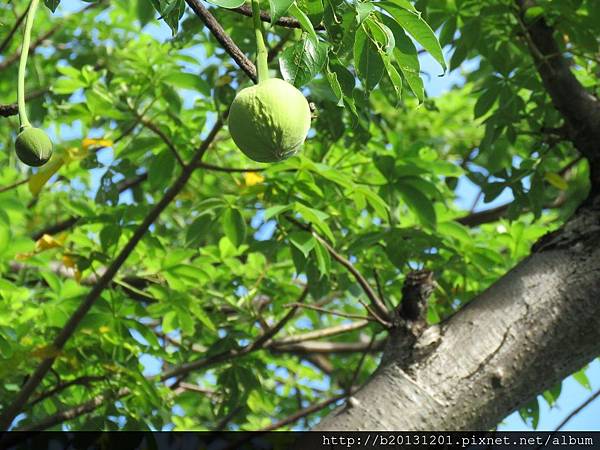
x,y
527,332
531,329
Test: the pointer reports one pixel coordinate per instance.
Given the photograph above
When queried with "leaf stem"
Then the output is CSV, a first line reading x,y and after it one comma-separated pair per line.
x,y
23,65
261,50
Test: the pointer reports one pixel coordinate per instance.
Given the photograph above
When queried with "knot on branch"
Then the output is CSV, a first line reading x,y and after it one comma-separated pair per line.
x,y
418,287
410,321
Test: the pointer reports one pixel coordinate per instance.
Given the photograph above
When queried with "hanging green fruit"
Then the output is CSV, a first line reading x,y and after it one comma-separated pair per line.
x,y
33,146
269,121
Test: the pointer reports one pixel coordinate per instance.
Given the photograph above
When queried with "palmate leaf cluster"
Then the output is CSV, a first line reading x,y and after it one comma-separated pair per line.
x,y
382,178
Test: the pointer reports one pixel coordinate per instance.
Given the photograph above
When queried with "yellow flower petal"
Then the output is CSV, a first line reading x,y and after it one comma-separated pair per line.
x,y
46,242
38,180
252,178
88,142
70,263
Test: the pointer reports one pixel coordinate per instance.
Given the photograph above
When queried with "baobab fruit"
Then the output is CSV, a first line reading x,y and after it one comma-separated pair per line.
x,y
269,121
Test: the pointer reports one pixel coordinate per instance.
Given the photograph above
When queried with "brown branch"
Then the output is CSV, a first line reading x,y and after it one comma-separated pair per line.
x,y
35,44
287,22
223,38
85,380
377,303
328,311
314,348
13,109
303,413
318,334
13,185
234,353
229,169
497,213
13,30
578,410
67,331
168,142
578,107
73,413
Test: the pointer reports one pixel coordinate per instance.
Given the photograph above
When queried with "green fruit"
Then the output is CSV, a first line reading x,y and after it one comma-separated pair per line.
x,y
269,121
33,146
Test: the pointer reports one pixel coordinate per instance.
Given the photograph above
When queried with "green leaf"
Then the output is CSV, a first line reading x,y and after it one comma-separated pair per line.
x,y
317,218
313,8
278,8
161,169
485,102
323,259
230,4
530,413
303,241
301,62
582,379
407,58
144,13
52,4
197,232
418,203
369,64
189,81
414,24
275,211
234,226
304,22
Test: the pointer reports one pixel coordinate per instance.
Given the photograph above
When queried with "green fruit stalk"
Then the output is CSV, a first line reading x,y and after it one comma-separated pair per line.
x,y
33,146
269,121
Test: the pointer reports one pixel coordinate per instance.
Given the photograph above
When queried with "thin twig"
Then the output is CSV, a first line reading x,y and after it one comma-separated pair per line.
x,y
318,334
328,311
84,380
13,30
377,303
287,22
578,410
208,166
359,365
160,133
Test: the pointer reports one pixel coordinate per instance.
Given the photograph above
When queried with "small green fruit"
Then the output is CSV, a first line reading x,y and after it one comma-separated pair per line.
x,y
269,121
33,146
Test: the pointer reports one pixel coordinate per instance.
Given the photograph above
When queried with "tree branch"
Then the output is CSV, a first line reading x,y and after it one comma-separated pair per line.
x,y
377,303
13,30
577,410
208,166
288,22
314,348
318,334
13,109
223,38
234,353
168,142
579,108
36,378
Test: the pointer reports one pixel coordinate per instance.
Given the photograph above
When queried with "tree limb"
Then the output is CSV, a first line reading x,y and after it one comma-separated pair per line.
x,y
579,108
36,378
318,334
377,303
13,30
288,22
223,38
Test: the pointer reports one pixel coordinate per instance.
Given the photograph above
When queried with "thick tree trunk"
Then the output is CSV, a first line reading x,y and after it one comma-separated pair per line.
x,y
524,334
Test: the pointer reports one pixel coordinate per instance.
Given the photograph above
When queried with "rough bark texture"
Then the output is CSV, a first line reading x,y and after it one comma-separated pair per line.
x,y
527,332
524,334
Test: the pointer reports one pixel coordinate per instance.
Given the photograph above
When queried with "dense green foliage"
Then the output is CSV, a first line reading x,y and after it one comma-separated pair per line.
x,y
379,178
